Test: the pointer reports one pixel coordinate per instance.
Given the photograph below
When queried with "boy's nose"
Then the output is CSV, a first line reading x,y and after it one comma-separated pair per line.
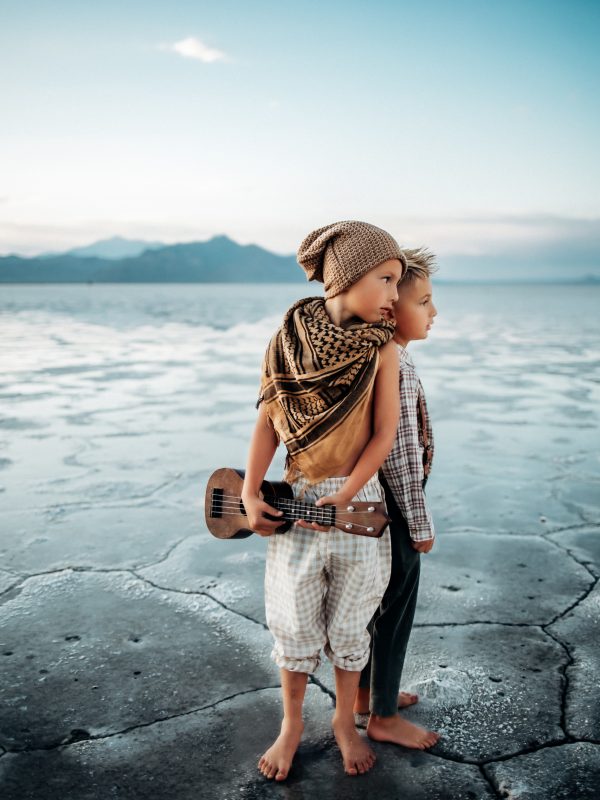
x,y
433,311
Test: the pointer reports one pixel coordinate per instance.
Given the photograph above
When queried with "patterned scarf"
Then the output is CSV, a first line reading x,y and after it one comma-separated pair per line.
x,y
317,382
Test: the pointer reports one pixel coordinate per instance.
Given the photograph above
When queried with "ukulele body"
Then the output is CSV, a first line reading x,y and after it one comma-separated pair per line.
x,y
223,492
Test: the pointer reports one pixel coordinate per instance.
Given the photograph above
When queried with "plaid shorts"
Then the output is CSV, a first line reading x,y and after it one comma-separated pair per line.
x,y
321,589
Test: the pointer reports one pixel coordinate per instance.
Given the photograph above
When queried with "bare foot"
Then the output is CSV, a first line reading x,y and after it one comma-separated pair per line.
x,y
361,704
400,731
357,755
276,762
406,699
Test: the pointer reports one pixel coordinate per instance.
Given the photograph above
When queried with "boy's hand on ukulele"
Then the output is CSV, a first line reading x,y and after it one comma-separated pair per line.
x,y
423,547
313,526
255,510
337,499
330,500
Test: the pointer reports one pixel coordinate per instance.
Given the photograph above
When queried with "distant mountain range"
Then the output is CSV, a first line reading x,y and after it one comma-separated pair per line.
x,y
218,260
221,260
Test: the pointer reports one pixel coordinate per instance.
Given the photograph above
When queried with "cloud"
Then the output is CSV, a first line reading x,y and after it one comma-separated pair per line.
x,y
194,48
541,246
505,246
494,235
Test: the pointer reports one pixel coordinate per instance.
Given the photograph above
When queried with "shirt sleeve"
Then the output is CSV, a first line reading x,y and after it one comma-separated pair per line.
x,y
403,468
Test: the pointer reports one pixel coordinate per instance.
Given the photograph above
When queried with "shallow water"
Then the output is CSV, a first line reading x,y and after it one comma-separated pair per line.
x,y
117,392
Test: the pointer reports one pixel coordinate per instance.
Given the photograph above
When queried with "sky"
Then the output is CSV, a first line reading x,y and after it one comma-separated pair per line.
x,y
470,126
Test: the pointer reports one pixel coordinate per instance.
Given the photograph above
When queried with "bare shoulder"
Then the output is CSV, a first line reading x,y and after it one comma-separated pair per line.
x,y
387,354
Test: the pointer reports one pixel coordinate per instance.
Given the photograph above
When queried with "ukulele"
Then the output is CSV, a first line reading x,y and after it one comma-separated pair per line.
x,y
226,516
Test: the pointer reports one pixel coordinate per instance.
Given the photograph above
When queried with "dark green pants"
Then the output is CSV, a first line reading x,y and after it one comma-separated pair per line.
x,y
392,622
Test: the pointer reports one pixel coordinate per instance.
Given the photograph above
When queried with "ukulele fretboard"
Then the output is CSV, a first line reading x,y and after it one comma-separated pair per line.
x,y
223,505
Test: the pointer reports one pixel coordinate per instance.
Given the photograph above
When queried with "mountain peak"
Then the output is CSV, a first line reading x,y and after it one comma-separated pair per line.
x,y
221,237
114,248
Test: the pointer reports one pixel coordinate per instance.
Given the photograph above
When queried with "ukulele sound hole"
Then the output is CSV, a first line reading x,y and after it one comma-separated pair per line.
x,y
216,506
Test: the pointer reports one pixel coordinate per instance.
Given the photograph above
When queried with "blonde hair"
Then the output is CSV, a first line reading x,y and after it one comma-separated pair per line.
x,y
420,263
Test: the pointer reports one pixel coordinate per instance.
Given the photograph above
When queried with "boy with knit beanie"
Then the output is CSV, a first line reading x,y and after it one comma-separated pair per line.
x,y
329,392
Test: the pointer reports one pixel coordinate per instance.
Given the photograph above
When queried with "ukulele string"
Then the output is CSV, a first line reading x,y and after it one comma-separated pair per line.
x,y
286,503
339,519
313,516
290,505
311,512
290,502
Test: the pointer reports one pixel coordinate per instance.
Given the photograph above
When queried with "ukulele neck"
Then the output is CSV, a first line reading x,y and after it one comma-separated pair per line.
x,y
298,509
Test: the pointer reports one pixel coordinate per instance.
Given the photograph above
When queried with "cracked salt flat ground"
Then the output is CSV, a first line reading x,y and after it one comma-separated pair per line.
x,y
110,671
131,639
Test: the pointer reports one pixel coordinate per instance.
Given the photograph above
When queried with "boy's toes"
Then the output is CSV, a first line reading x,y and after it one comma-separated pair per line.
x,y
406,699
281,775
266,768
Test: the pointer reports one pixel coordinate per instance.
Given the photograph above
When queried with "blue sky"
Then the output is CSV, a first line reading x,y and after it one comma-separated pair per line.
x,y
467,125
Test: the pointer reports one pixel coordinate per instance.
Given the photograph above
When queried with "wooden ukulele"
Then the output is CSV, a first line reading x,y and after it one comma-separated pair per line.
x,y
226,516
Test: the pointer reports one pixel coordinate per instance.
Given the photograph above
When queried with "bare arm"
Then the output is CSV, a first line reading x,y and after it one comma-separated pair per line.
x,y
386,411
262,449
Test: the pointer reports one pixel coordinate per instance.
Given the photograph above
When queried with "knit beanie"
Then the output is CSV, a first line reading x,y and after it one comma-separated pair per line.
x,y
339,254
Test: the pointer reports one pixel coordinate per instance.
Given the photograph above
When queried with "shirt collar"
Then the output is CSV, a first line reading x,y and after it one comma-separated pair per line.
x,y
404,356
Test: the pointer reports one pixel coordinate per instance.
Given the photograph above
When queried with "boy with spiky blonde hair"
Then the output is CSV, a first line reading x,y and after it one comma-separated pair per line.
x,y
403,476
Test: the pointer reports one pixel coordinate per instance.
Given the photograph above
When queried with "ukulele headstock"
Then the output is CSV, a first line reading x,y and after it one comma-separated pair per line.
x,y
363,518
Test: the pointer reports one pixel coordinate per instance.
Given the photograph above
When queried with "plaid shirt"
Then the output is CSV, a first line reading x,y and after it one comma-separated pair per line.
x,y
403,469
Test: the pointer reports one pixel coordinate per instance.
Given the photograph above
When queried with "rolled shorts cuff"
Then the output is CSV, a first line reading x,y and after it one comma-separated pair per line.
x,y
307,664
350,663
